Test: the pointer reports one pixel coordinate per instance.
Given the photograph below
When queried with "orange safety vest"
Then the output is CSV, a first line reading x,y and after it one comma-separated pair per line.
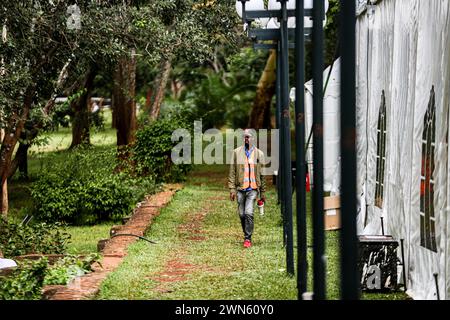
x,y
249,176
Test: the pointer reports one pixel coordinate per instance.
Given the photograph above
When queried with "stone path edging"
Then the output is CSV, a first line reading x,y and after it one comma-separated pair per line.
x,y
115,249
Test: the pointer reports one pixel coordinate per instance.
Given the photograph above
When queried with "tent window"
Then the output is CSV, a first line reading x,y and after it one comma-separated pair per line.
x,y
427,217
381,153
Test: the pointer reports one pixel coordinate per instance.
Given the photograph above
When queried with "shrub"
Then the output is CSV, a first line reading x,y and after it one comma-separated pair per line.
x,y
85,190
17,239
25,283
153,148
68,268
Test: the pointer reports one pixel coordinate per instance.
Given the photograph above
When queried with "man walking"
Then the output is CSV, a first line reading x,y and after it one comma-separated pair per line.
x,y
245,181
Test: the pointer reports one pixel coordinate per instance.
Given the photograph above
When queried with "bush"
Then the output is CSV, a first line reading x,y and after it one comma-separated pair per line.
x,y
85,190
153,148
26,282
17,239
68,268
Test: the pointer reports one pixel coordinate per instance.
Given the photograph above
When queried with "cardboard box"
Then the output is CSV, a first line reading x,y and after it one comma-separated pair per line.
x,y
332,213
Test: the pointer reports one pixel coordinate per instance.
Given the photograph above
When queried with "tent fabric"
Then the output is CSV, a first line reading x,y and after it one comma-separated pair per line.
x,y
403,77
379,47
331,132
403,51
362,55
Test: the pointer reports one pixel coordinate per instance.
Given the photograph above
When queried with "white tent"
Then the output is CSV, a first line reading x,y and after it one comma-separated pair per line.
x,y
403,76
403,102
331,130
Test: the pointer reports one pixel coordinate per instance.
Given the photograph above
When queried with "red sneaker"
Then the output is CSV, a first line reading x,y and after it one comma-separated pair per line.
x,y
247,244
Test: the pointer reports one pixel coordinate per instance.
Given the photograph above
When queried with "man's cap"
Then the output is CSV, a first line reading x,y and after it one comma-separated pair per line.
x,y
248,133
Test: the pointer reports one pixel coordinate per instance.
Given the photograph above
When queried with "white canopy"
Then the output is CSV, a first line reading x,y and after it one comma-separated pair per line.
x,y
403,102
331,127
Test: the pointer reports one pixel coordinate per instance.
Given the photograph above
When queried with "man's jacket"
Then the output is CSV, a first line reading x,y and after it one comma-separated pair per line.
x,y
237,169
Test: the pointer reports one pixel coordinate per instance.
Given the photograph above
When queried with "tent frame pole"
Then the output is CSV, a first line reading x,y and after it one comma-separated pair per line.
x,y
300,131
286,133
318,217
349,242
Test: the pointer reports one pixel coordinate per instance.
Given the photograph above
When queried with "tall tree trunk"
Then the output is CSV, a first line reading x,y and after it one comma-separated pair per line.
x,y
10,137
260,115
148,99
82,109
160,87
4,185
123,100
177,89
20,162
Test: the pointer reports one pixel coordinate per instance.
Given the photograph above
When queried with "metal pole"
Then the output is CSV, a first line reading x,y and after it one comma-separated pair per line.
x,y
281,142
403,264
318,218
302,263
349,250
244,19
286,132
278,118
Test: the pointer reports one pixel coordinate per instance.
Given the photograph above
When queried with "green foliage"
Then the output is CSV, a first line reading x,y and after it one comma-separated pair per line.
x,y
68,268
62,113
26,282
60,116
332,32
224,96
209,100
153,148
17,239
97,120
85,190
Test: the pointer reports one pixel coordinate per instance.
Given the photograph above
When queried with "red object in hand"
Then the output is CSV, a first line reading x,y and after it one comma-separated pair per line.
x,y
260,202
308,183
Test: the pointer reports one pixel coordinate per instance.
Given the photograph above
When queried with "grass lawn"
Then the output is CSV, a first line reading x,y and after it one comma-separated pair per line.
x,y
199,252
83,239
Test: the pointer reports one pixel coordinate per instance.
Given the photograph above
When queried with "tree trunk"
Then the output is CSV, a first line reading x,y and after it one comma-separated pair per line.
x,y
177,89
148,99
5,200
4,186
123,100
160,88
260,115
20,162
82,109
10,137
9,141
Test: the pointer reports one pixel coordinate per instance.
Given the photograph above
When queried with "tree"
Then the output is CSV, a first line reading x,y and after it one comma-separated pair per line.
x,y
38,52
29,53
191,32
